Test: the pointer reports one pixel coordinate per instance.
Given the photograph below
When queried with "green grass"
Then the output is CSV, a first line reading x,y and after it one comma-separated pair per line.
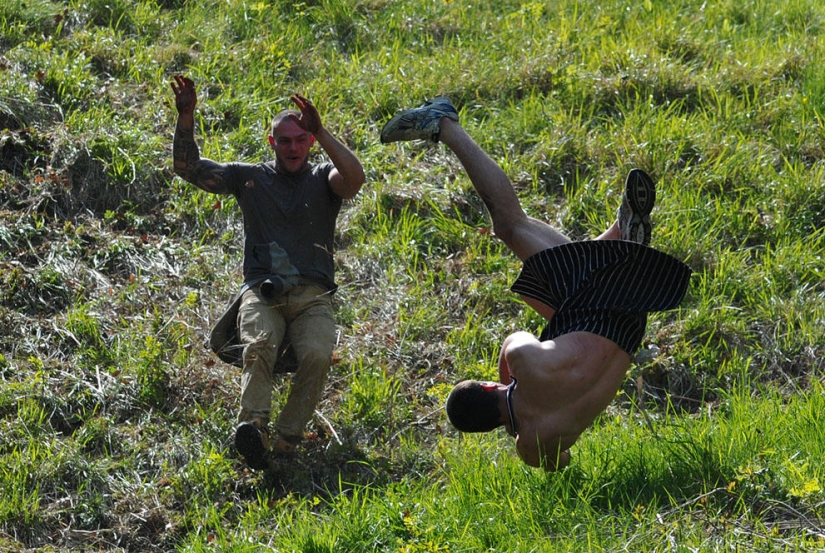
x,y
115,419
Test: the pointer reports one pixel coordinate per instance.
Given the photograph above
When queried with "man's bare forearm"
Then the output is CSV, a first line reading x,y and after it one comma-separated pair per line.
x,y
347,164
189,165
185,152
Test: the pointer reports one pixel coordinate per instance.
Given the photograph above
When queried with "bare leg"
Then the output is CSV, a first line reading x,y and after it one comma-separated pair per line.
x,y
524,235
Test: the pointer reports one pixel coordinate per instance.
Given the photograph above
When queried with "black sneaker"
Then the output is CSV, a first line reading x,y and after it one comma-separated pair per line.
x,y
252,441
637,203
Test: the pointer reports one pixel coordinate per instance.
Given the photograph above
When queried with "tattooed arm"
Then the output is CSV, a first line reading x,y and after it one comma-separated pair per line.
x,y
188,164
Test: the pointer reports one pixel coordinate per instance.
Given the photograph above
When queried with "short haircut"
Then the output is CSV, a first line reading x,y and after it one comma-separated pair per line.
x,y
471,408
280,117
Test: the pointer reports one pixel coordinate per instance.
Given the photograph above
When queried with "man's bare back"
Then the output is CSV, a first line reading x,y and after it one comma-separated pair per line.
x,y
562,386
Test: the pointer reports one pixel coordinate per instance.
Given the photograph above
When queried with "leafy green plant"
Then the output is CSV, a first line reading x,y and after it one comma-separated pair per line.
x,y
372,398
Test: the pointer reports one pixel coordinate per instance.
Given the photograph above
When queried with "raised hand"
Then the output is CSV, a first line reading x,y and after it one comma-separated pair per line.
x,y
185,94
310,119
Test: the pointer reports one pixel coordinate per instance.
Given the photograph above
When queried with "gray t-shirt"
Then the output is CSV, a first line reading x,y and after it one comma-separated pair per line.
x,y
289,221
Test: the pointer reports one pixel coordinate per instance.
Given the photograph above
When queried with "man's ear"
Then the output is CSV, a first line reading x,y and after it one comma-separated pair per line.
x,y
311,140
271,141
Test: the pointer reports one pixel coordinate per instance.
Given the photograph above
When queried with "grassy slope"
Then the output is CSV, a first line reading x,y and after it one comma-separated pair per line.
x,y
115,418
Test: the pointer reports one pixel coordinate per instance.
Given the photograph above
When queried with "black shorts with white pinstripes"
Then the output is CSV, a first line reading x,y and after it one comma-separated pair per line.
x,y
606,287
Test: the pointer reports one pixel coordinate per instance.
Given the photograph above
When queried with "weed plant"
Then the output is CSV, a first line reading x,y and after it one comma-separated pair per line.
x,y
115,419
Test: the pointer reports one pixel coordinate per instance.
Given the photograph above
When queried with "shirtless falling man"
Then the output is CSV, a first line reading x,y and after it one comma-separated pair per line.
x,y
595,295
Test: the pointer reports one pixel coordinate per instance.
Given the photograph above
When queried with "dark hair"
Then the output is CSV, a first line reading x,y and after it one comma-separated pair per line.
x,y
471,408
280,117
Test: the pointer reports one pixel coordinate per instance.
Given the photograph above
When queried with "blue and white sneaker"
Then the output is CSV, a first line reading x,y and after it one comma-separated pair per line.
x,y
637,203
421,123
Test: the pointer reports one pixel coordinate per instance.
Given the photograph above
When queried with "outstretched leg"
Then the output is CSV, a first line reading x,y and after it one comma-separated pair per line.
x,y
437,120
524,235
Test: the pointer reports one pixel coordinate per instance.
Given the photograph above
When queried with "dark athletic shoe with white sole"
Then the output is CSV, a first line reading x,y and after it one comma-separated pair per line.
x,y
421,123
637,203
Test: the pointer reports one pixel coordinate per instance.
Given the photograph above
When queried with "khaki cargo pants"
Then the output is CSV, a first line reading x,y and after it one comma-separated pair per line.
x,y
306,316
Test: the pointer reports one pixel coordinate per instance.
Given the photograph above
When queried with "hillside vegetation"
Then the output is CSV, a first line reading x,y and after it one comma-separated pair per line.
x,y
116,419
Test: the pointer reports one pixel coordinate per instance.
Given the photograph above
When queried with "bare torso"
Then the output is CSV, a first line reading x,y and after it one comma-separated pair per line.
x,y
562,386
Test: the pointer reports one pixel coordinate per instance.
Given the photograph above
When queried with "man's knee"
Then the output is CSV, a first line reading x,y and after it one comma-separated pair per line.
x,y
315,356
504,230
509,224
260,351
